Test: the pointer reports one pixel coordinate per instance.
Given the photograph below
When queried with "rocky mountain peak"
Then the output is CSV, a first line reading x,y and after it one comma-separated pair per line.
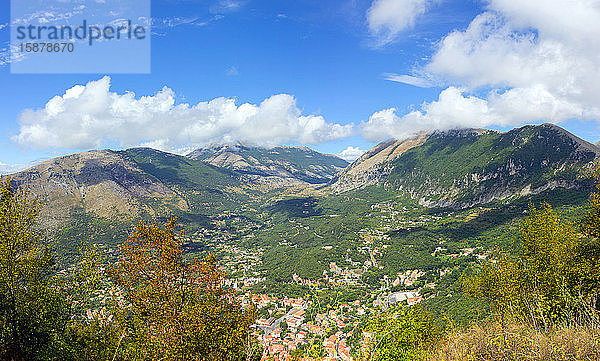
x,y
370,167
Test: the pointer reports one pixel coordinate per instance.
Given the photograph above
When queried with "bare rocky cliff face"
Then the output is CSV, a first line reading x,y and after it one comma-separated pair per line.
x,y
463,168
276,167
373,166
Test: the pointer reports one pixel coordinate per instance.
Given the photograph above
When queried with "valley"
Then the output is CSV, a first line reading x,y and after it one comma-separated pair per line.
x,y
317,244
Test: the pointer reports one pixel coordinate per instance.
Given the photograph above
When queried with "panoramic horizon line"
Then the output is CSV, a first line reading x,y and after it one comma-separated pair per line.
x,y
234,143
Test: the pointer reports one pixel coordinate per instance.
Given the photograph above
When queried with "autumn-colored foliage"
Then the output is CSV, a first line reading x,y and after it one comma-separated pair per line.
x,y
155,304
176,309
550,279
554,278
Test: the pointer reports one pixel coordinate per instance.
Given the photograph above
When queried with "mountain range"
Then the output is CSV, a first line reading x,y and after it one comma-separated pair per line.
x,y
274,166
458,168
462,168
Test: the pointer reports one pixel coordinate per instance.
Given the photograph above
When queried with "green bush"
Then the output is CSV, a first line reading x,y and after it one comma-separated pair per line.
x,y
402,334
553,277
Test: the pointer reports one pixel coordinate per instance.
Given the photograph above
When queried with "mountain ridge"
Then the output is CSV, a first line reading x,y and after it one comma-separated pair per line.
x,y
276,166
463,168
367,169
107,183
103,182
457,168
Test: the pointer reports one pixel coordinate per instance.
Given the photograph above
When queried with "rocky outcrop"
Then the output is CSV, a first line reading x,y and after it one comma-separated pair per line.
x,y
373,166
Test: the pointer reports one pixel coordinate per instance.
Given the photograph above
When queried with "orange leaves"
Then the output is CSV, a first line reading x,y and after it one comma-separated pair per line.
x,y
180,310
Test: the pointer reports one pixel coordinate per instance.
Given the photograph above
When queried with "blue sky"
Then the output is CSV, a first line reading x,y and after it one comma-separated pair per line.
x,y
317,73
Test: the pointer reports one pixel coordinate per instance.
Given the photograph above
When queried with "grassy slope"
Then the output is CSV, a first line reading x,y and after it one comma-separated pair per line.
x,y
513,341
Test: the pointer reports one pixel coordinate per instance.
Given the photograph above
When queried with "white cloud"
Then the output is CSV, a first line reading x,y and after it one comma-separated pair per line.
x,y
451,110
533,60
454,109
14,168
550,45
10,54
409,79
225,6
387,18
90,116
164,24
233,71
351,154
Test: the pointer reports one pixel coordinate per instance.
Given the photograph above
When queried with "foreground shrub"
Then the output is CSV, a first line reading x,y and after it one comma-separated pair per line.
x,y
551,280
156,305
170,308
514,341
402,334
33,310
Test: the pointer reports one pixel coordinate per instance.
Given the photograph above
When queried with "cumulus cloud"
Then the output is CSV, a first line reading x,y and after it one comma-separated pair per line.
x,y
387,18
452,110
351,153
91,116
455,109
529,61
550,46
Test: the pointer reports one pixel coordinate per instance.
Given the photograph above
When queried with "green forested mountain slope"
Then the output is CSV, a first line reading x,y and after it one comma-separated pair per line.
x,y
463,168
137,182
101,193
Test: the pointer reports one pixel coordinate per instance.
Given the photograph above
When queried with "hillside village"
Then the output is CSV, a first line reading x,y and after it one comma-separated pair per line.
x,y
289,323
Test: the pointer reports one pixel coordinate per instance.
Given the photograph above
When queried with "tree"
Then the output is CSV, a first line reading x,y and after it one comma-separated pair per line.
x,y
552,278
97,337
589,249
592,218
402,333
32,309
176,309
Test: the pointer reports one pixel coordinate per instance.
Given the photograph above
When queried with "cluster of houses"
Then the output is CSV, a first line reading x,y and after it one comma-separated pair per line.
x,y
339,276
293,323
407,278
